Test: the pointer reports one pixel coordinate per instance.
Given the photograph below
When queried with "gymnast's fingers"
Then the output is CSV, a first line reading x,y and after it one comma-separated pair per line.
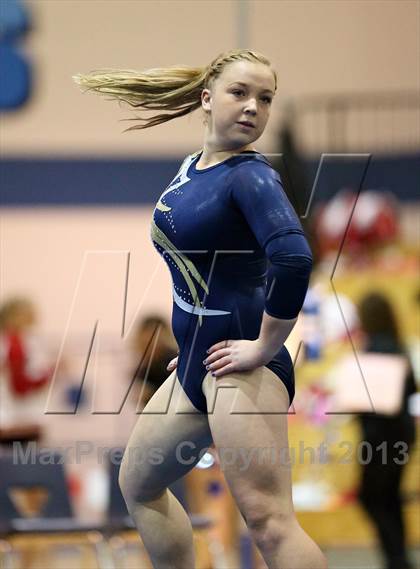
x,y
219,363
219,345
224,370
217,355
172,364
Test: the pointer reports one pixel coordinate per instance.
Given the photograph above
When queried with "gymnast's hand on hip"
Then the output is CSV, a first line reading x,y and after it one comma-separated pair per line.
x,y
172,364
236,355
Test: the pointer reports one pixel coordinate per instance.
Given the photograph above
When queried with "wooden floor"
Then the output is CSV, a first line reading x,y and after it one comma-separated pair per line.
x,y
34,554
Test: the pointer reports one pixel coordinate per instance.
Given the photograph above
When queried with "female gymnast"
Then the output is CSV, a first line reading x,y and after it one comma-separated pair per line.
x,y
215,225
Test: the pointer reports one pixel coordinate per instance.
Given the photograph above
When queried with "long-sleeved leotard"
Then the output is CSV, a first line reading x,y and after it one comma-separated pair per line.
x,y
216,228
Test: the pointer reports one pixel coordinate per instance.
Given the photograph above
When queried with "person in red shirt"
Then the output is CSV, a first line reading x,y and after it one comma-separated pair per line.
x,y
24,372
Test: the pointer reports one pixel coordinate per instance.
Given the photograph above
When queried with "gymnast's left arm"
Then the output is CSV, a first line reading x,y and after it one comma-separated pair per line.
x,y
256,190
287,283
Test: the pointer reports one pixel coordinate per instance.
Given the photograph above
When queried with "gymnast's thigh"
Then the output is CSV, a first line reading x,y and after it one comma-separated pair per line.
x,y
248,418
168,439
255,392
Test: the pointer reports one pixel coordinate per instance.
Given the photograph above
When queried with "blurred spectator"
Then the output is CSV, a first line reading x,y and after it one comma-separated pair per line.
x,y
290,164
380,492
24,373
154,343
368,225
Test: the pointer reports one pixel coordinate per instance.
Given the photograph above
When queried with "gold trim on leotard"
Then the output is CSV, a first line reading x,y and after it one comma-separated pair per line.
x,y
184,264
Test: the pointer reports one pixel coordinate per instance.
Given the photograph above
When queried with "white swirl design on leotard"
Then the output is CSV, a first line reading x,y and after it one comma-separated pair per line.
x,y
194,310
183,179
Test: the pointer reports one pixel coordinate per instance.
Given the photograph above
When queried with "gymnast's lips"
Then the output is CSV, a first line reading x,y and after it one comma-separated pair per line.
x,y
246,123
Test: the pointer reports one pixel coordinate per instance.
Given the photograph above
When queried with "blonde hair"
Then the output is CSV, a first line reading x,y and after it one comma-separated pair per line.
x,y
176,89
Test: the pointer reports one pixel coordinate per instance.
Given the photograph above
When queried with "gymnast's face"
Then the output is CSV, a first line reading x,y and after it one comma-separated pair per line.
x,y
242,92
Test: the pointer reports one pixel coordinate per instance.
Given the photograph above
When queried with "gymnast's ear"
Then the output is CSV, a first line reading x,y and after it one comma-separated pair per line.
x,y
206,99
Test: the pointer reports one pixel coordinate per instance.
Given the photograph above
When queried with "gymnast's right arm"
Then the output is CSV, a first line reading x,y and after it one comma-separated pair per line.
x,y
257,191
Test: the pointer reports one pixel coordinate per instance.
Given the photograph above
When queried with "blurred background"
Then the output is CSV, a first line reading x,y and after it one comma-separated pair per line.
x,y
85,301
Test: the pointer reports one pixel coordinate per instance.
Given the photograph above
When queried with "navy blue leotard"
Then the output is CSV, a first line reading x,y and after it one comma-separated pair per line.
x,y
218,229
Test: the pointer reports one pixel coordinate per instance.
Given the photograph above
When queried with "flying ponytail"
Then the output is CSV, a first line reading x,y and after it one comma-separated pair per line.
x,y
175,90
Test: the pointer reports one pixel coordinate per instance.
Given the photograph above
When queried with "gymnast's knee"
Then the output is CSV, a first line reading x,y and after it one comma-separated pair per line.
x,y
269,520
268,528
137,484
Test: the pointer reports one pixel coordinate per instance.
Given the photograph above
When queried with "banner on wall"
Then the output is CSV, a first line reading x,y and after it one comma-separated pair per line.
x,y
15,69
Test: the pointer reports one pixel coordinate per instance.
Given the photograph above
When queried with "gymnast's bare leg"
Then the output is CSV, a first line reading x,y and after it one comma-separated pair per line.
x,y
261,489
162,522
